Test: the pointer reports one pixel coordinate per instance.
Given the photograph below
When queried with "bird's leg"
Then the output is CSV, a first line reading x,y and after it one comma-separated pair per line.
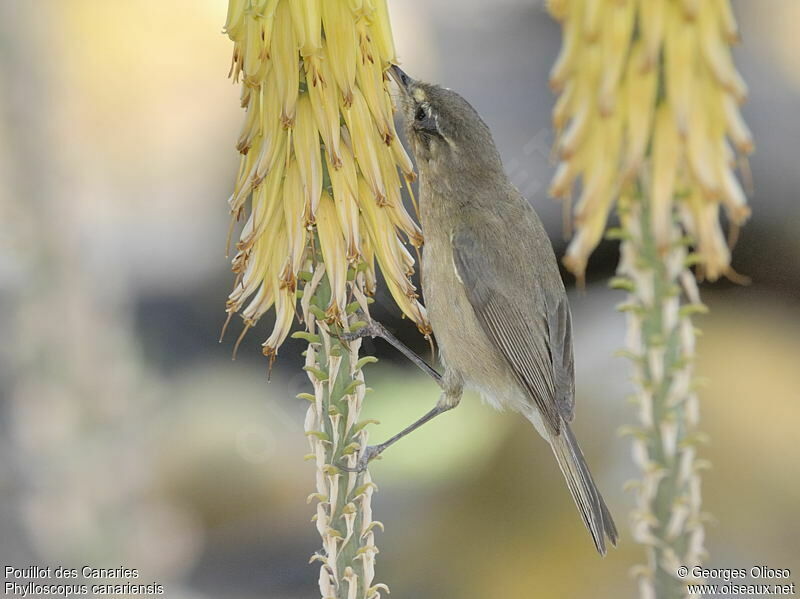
x,y
450,398
375,329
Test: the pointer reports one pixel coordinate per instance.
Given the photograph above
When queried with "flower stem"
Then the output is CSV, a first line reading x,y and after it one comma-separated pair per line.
x,y
661,341
336,436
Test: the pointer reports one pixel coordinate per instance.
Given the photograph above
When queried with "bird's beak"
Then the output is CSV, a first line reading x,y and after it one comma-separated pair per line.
x,y
403,81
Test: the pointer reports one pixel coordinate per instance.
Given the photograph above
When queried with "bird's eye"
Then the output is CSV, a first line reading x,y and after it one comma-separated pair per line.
x,y
420,114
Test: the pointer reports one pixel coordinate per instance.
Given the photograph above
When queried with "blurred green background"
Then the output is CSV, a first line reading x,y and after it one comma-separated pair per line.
x,y
127,435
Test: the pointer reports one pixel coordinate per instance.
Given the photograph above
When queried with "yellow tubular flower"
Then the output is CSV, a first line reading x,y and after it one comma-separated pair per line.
x,y
368,254
618,22
306,144
640,94
664,163
687,105
680,49
319,152
251,126
344,184
382,32
254,66
285,59
651,17
293,207
342,44
365,143
284,315
265,208
369,75
332,244
592,19
325,103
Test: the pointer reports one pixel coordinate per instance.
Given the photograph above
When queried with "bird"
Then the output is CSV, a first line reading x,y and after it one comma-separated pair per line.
x,y
492,288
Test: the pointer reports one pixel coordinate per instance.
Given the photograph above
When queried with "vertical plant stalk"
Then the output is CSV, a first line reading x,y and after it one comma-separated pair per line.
x,y
319,189
648,122
667,520
335,434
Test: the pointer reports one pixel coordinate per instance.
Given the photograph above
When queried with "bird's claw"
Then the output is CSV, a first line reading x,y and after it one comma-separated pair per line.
x,y
369,454
368,330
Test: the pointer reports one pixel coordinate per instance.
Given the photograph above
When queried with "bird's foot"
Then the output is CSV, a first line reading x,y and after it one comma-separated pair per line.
x,y
375,329
369,454
372,329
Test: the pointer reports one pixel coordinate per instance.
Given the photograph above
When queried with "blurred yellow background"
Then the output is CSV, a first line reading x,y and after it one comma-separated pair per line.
x,y
129,437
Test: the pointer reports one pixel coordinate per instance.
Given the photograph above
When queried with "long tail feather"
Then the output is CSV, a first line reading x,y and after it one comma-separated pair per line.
x,y
587,497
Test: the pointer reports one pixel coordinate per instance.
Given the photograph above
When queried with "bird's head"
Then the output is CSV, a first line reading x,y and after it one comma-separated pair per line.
x,y
443,129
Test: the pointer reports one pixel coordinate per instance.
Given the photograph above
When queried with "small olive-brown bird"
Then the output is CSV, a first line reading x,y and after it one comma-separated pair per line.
x,y
491,284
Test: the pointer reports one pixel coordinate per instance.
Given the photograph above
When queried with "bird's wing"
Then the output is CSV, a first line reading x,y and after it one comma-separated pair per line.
x,y
524,339
559,324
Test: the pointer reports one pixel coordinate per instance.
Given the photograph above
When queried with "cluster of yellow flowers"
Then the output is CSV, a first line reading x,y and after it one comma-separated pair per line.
x,y
321,161
649,93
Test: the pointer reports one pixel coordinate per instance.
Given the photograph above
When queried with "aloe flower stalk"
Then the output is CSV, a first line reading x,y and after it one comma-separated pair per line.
x,y
668,519
344,511
648,122
319,189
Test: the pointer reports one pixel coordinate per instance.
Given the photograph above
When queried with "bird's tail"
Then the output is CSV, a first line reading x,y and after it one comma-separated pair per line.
x,y
587,497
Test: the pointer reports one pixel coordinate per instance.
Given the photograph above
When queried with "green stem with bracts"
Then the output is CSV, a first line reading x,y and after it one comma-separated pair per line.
x,y
661,337
336,436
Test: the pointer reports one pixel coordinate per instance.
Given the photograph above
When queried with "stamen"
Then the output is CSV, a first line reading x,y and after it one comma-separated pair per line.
x,y
247,326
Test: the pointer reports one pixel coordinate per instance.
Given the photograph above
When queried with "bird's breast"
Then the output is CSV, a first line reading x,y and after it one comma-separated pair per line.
x,y
463,346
